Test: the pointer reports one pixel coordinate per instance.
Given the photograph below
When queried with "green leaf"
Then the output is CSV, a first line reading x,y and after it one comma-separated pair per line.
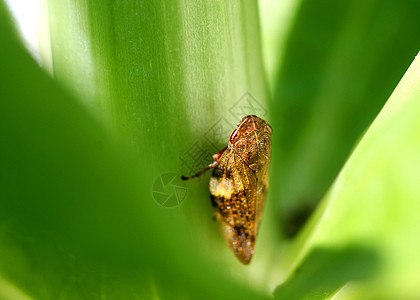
x,y
143,91
341,61
77,214
363,240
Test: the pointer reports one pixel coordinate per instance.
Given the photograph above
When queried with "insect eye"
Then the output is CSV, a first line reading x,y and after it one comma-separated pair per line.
x,y
234,135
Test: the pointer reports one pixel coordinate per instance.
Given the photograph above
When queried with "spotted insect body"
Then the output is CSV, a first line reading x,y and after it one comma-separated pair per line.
x,y
239,184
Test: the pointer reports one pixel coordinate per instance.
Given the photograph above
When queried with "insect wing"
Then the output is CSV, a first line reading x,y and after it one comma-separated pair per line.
x,y
233,191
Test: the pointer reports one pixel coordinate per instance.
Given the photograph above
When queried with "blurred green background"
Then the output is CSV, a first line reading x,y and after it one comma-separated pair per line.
x,y
121,93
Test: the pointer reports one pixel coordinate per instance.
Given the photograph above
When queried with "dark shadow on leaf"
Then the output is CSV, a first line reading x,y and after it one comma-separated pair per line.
x,y
293,219
324,271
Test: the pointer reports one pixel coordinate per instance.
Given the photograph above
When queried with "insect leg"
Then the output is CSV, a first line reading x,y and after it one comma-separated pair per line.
x,y
218,154
210,166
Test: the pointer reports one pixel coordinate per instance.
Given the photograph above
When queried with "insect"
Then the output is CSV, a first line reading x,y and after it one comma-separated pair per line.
x,y
239,183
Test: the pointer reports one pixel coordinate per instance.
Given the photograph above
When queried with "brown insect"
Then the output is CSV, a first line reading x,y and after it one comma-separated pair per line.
x,y
239,184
